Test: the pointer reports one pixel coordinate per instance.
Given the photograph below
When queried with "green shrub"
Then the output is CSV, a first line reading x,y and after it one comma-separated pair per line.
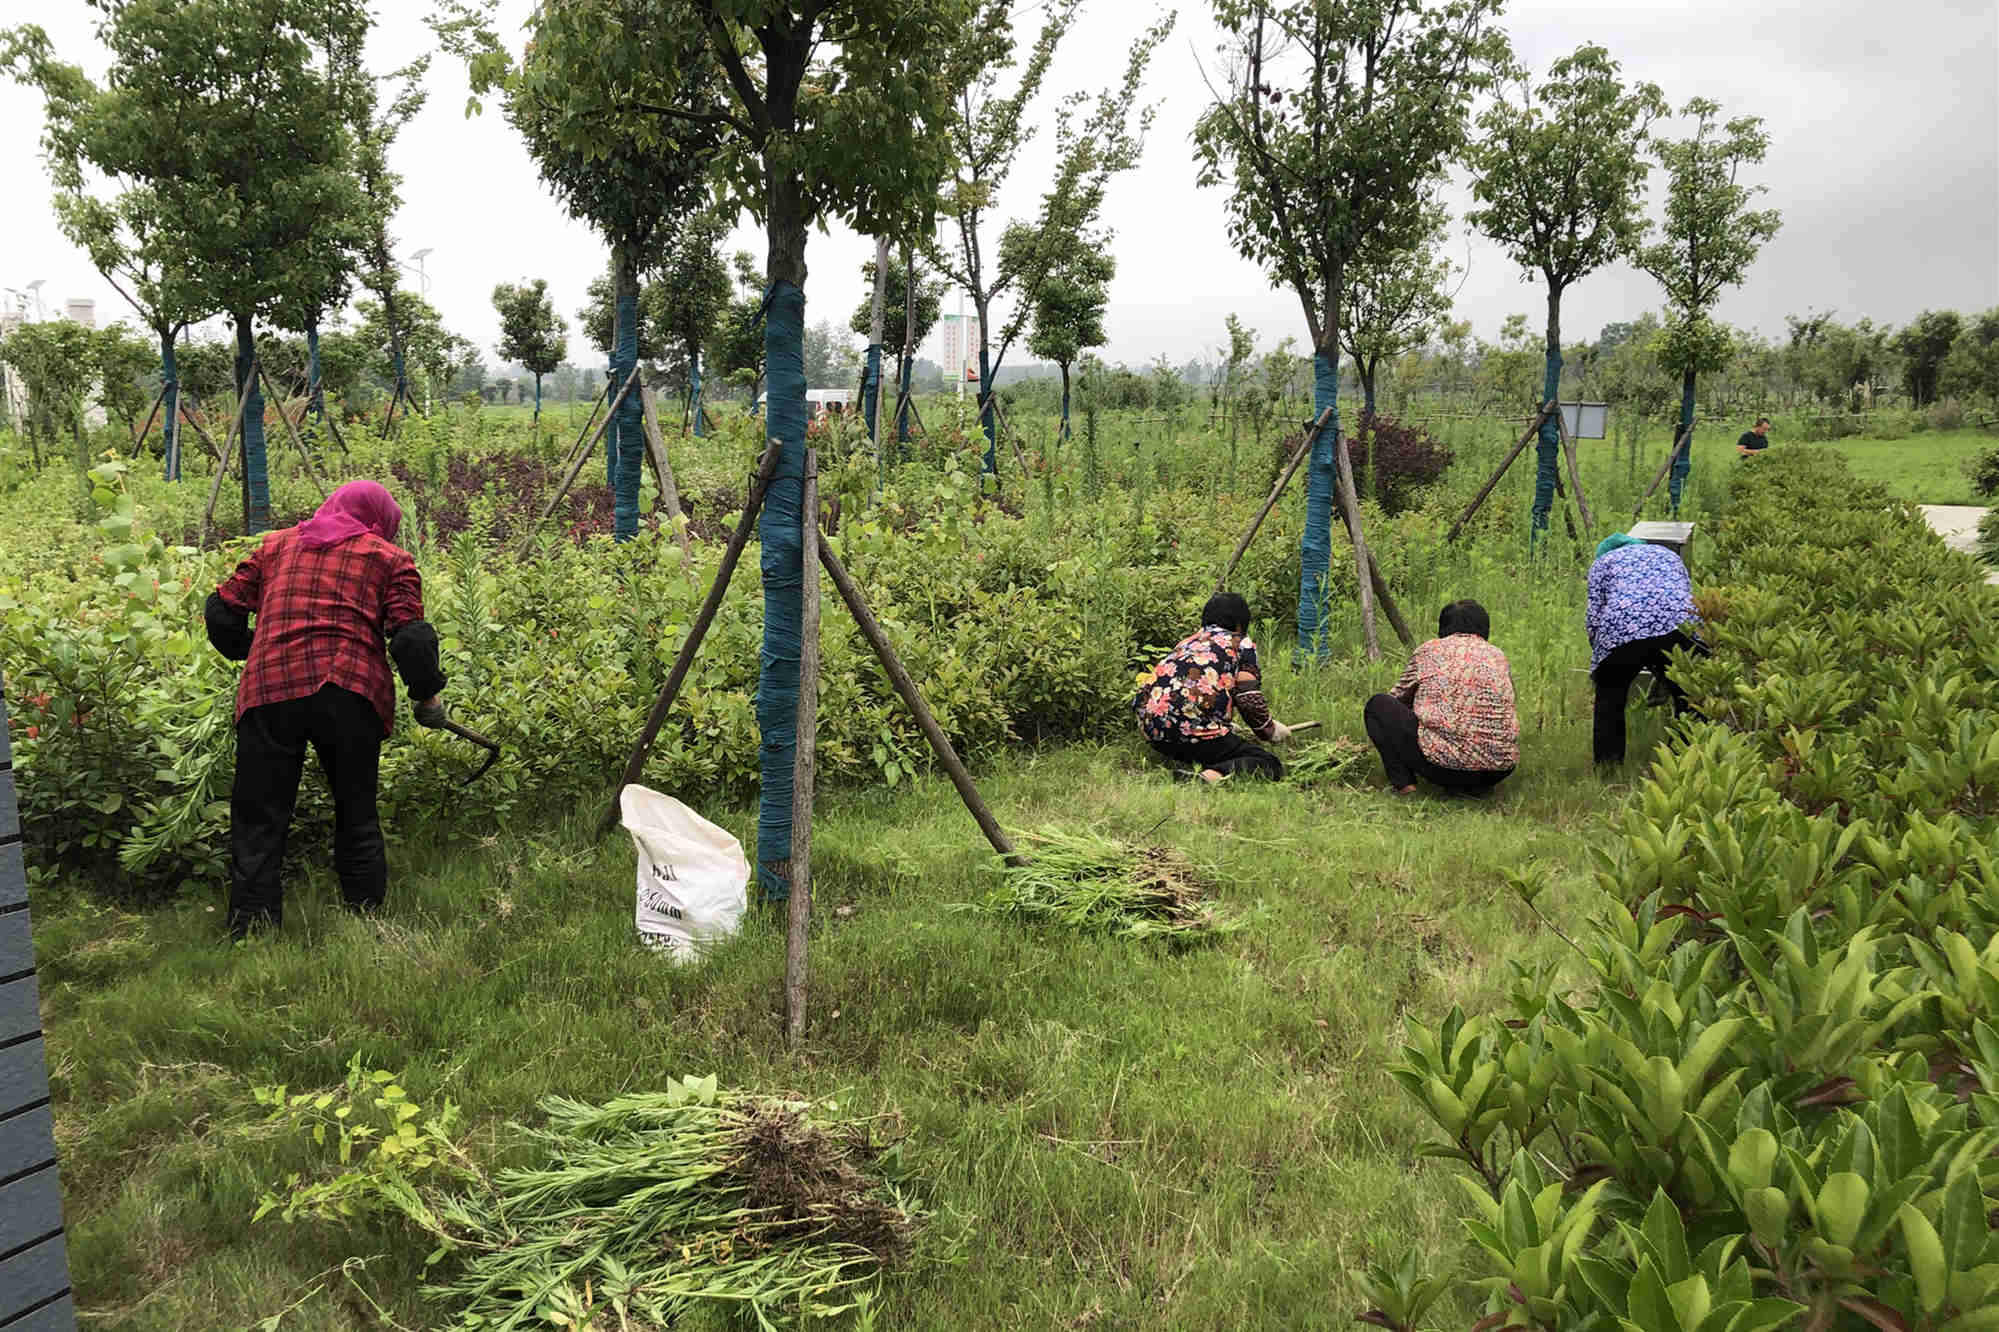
x,y
1778,1102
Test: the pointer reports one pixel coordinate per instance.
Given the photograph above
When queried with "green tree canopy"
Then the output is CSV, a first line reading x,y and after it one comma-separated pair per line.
x,y
1924,344
1068,309
1396,298
531,333
895,301
1334,119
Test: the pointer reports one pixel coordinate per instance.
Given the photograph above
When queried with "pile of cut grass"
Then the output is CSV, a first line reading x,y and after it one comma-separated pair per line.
x,y
1336,760
1088,882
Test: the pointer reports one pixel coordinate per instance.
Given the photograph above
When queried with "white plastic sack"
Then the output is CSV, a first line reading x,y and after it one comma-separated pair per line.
x,y
693,878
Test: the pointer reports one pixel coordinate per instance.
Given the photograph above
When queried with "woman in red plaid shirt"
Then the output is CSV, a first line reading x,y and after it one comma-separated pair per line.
x,y
328,595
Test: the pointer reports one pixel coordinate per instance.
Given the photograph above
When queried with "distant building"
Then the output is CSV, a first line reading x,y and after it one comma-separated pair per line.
x,y
81,312
958,345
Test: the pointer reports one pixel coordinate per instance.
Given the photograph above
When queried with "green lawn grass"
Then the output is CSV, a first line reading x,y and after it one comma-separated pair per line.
x,y
1114,1134
1927,468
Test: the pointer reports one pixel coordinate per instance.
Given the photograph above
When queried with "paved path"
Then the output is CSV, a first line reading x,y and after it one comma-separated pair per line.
x,y
1957,524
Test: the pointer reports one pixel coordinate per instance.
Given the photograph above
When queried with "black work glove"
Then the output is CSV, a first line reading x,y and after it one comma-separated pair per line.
x,y
430,712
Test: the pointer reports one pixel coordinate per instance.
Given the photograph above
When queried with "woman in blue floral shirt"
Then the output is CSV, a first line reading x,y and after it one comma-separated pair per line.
x,y
1640,599
1186,703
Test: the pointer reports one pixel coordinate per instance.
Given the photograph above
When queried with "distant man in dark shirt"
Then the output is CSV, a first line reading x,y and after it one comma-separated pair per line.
x,y
1754,440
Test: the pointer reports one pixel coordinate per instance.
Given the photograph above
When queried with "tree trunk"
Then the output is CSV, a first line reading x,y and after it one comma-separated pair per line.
x,y
1366,371
315,393
907,365
627,433
1315,548
256,465
1683,461
778,528
694,386
170,400
1548,450
1065,401
987,419
871,408
537,402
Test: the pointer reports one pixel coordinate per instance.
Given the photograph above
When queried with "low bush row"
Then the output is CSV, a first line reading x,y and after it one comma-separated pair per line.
x,y
1774,1100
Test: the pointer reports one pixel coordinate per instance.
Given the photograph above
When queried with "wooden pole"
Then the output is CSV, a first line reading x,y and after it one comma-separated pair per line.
x,y
1479,499
1364,585
877,321
332,420
1575,474
298,441
1664,468
576,465
857,606
199,433
1298,456
222,465
1382,596
669,493
663,703
154,411
798,916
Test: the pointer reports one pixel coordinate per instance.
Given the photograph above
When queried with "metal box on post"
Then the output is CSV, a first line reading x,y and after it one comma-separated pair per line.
x,y
1677,536
34,1264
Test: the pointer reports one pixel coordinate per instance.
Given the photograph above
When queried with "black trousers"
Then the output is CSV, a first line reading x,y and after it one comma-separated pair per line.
x,y
1391,724
1227,755
345,731
1613,677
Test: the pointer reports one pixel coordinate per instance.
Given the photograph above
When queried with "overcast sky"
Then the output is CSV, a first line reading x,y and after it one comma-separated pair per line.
x,y
1884,160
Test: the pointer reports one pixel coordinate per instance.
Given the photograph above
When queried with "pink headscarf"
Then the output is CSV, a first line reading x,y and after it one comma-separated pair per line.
x,y
354,508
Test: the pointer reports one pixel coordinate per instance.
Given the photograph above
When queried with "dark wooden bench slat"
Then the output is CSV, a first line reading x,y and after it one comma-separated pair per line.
x,y
34,1274
24,1077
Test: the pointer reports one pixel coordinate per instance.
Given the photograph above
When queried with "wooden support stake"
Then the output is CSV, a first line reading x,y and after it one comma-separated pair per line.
x,y
1479,498
576,466
857,606
222,466
1298,456
298,440
662,704
1363,584
332,420
200,434
669,493
154,411
1664,468
1382,596
1575,475
798,916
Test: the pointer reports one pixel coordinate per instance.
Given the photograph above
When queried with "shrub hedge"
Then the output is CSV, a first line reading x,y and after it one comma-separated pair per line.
x,y
1776,1102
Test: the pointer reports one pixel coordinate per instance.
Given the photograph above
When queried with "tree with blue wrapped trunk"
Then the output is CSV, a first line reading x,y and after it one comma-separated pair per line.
x,y
988,134
1559,180
832,108
1069,308
1333,120
1710,237
633,175
375,129
693,293
1395,300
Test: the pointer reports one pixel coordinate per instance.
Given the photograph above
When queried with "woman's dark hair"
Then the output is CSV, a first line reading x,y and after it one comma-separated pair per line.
x,y
1464,617
1228,611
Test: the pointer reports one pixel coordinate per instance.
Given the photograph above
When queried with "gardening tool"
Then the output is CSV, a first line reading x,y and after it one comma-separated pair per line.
x,y
1306,726
438,719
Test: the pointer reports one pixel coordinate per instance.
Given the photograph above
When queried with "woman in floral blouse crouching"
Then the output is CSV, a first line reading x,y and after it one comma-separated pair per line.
x,y
1450,718
1187,702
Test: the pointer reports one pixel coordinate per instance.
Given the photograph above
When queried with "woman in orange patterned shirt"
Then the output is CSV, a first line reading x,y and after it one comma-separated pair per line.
x,y
1449,719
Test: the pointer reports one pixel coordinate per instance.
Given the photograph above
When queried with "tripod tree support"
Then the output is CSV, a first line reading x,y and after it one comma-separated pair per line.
x,y
576,461
188,417
147,429
222,464
1576,475
798,909
1298,456
298,441
1533,429
857,606
1679,441
1363,584
663,704
669,492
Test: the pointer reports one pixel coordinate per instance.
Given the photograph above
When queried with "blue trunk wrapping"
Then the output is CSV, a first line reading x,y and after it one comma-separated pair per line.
x,y
402,388
1065,403
537,399
315,392
694,376
1315,548
783,551
1683,461
170,400
871,379
611,428
256,467
987,417
1548,450
629,423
